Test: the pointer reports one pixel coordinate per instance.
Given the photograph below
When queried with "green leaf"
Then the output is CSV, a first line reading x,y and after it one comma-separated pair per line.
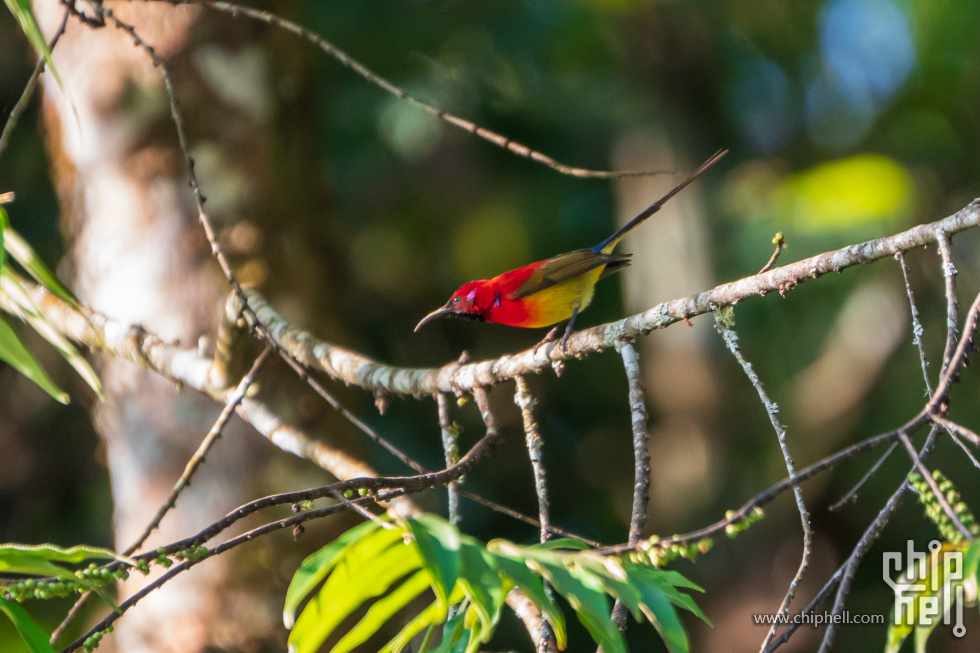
x,y
21,9
915,615
13,352
438,543
431,615
12,286
563,543
366,570
482,585
452,635
4,225
584,592
32,634
666,581
316,567
74,555
533,588
659,611
25,255
383,610
37,561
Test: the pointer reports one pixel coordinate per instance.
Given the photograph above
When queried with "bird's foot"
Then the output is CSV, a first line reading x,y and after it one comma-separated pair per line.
x,y
551,337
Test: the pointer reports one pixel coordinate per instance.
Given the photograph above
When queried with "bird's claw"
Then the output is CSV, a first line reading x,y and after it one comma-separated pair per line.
x,y
552,335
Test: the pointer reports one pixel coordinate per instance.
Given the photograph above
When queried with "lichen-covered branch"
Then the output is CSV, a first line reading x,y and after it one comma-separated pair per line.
x,y
354,368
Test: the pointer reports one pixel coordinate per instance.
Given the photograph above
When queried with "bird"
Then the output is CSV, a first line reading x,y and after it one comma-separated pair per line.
x,y
547,292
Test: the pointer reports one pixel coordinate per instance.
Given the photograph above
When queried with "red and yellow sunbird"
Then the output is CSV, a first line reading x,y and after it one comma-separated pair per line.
x,y
546,292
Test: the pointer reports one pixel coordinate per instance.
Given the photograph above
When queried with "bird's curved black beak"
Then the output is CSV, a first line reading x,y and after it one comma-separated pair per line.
x,y
439,312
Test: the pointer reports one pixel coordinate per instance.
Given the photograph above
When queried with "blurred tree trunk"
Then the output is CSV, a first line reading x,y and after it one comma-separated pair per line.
x,y
139,255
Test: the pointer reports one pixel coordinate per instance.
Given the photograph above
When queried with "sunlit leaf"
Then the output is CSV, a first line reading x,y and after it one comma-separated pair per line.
x,y
316,567
32,634
13,352
73,555
382,611
38,561
428,617
362,572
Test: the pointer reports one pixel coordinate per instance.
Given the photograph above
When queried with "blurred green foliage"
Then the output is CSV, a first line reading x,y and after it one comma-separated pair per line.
x,y
847,119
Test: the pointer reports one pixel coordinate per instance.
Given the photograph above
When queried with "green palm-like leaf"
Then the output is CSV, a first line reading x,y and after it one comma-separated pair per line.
x,y
32,634
426,553
24,254
12,286
316,567
13,352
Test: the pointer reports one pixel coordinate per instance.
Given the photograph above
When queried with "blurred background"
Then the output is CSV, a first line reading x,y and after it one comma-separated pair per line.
x,y
356,214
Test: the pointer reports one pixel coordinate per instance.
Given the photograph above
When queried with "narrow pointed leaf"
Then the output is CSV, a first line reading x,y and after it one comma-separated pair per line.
x,y
12,287
586,596
73,555
533,588
431,615
32,263
13,352
32,634
563,543
382,611
21,9
438,543
366,570
316,567
664,618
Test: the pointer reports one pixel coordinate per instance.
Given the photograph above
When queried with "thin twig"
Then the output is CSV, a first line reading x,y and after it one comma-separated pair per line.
x,y
450,447
869,537
348,62
780,244
198,458
940,495
731,341
851,495
949,277
519,516
917,332
641,459
956,429
526,403
917,329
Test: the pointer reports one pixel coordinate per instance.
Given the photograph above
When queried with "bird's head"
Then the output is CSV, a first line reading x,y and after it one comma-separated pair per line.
x,y
465,302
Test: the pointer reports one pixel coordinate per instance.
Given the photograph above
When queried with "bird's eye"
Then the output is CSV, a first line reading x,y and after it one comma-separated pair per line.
x,y
455,301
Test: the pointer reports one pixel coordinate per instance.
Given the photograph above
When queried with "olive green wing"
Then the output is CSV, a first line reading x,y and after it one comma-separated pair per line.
x,y
568,266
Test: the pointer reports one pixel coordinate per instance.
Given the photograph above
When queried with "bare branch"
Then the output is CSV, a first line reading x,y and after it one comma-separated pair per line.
x,y
526,403
731,341
356,369
357,67
451,448
949,277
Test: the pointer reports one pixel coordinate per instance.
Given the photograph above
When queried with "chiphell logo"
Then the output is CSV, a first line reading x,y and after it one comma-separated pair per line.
x,y
929,586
